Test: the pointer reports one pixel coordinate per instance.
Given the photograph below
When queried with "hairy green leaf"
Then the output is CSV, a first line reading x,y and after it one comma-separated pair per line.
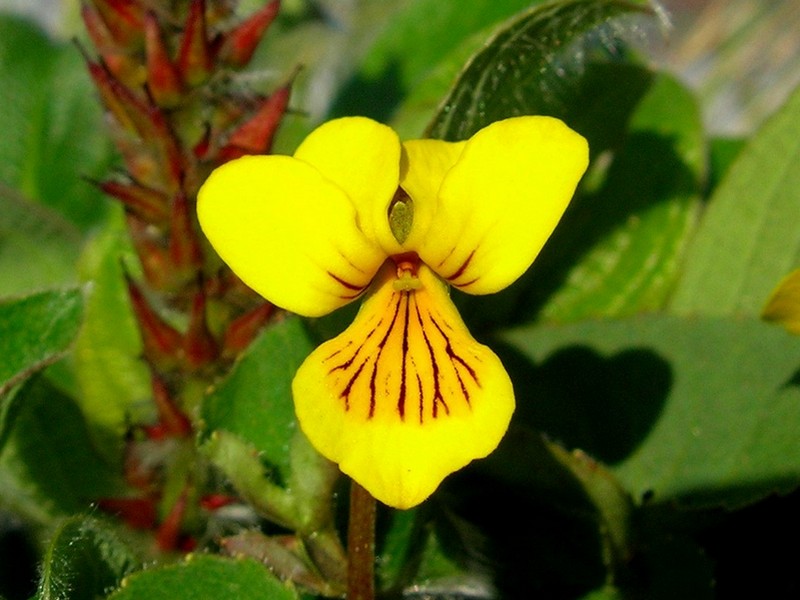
x,y
85,560
255,400
35,331
530,66
205,577
49,467
402,56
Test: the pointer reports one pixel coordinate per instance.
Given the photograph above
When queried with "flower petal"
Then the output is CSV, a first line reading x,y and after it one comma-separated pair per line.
x,y
501,200
424,166
362,157
783,306
405,395
287,232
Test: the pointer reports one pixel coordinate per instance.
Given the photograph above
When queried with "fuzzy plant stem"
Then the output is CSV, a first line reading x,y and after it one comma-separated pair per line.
x,y
361,545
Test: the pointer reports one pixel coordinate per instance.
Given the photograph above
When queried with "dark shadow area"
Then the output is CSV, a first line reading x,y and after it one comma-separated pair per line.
x,y
527,520
605,406
599,111
755,550
52,442
375,97
18,559
794,380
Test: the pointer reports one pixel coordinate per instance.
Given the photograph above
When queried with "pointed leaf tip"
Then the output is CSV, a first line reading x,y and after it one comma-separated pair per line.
x,y
255,135
163,79
240,43
195,56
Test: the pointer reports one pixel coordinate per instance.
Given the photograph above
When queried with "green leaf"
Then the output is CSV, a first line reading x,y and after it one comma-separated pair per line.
x,y
612,505
41,239
721,154
111,378
10,404
49,467
36,331
255,399
414,41
85,560
252,433
420,552
529,67
205,577
749,238
605,593
625,240
701,411
53,129
240,463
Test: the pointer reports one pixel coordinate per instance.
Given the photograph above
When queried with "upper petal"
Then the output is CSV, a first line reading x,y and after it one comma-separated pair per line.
x,y
288,232
424,166
405,395
501,200
362,157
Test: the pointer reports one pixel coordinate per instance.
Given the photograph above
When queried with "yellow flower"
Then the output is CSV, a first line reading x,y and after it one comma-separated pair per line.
x,y
405,395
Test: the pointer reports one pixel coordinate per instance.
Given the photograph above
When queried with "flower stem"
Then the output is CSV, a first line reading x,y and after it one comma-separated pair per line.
x,y
361,545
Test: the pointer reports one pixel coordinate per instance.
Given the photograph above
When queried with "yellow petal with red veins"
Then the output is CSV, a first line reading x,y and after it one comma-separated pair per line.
x,y
501,200
405,395
784,305
362,157
288,232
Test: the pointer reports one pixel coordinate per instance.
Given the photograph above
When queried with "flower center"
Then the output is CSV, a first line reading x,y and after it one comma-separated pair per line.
x,y
407,267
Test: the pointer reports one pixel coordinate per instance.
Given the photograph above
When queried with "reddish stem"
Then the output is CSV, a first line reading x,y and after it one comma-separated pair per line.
x,y
361,545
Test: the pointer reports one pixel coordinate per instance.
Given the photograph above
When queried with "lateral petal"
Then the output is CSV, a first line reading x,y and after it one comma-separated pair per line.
x,y
501,200
405,395
288,232
362,157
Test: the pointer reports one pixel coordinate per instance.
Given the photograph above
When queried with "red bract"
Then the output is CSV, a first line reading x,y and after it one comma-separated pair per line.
x,y
239,44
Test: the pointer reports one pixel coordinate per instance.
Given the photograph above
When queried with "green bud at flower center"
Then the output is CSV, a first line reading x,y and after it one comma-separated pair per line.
x,y
401,215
